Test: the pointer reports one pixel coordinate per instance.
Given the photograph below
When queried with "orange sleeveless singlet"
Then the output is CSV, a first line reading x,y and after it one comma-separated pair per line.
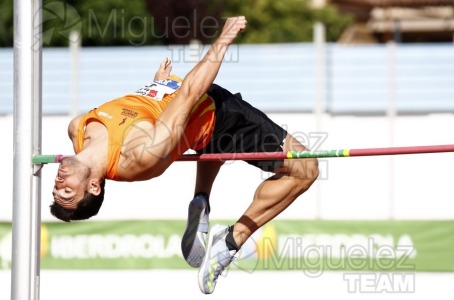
x,y
147,104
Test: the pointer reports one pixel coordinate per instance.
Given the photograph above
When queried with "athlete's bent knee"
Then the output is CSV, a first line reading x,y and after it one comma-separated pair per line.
x,y
308,175
312,170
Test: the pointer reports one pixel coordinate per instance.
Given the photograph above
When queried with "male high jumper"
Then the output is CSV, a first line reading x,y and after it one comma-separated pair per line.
x,y
138,136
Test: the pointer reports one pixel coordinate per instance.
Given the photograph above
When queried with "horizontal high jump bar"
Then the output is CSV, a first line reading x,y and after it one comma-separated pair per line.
x,y
44,159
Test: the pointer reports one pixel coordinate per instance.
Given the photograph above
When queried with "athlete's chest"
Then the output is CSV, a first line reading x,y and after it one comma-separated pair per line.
x,y
94,132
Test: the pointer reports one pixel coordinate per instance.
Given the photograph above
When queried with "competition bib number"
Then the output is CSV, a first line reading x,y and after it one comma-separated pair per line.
x,y
158,89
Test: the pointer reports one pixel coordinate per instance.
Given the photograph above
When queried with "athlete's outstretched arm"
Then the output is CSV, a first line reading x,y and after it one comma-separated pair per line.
x,y
174,118
169,129
200,78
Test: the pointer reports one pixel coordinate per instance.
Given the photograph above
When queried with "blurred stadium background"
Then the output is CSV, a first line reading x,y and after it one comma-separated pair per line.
x,y
337,74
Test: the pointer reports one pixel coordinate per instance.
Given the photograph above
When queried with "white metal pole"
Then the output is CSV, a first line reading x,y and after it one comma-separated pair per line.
x,y
35,264
26,186
320,72
74,46
391,114
320,82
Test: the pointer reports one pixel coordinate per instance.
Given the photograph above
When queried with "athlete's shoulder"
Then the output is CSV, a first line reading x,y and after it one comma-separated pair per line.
x,y
73,126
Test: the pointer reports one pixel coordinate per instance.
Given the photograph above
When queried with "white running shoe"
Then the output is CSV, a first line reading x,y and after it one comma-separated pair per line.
x,y
217,258
194,238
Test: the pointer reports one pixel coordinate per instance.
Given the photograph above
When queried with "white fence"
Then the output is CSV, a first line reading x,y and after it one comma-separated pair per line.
x,y
275,78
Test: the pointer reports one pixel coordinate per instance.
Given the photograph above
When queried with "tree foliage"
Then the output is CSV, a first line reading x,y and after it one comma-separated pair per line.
x,y
6,23
180,21
151,22
286,21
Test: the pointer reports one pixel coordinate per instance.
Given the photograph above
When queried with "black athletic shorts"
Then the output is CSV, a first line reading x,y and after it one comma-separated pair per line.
x,y
240,127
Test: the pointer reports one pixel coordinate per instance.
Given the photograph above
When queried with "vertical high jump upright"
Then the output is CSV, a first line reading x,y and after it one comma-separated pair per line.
x,y
26,225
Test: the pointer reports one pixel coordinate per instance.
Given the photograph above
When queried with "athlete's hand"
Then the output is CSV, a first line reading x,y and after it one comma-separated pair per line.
x,y
232,27
164,70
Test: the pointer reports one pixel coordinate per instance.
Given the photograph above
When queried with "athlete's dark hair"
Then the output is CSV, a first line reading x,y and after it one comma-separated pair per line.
x,y
86,208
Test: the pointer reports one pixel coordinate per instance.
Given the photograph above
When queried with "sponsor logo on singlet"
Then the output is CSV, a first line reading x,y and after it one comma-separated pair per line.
x,y
104,114
159,88
129,112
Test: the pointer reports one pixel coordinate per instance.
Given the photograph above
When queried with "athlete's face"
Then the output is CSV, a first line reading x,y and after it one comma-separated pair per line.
x,y
70,182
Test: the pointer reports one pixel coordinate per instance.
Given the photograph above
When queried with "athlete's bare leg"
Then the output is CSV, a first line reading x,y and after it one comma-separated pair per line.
x,y
275,194
206,174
